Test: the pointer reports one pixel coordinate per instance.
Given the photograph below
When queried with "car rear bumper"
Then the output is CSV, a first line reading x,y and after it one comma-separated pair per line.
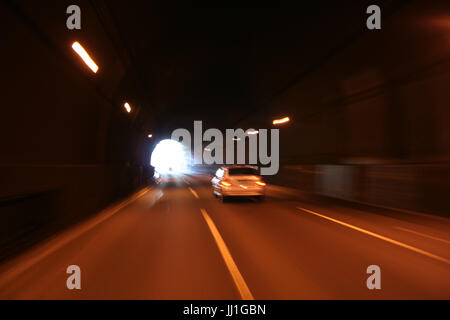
x,y
238,192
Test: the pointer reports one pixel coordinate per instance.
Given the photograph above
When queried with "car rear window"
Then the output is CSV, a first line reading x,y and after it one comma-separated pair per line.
x,y
242,172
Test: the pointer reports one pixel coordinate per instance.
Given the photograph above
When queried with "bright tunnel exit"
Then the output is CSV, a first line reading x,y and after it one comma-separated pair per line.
x,y
169,156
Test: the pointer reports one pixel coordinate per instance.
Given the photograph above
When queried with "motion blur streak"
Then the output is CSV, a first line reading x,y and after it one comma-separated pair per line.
x,y
281,121
85,56
127,107
424,235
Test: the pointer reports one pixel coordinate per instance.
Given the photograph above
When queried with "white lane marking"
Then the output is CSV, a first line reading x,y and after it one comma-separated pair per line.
x,y
194,193
423,234
403,245
239,281
66,238
420,214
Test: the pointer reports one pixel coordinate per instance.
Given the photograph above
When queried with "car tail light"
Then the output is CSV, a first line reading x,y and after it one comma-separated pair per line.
x,y
261,183
225,183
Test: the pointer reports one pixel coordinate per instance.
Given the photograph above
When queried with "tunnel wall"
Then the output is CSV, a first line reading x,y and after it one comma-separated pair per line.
x,y
66,143
392,106
376,130
416,187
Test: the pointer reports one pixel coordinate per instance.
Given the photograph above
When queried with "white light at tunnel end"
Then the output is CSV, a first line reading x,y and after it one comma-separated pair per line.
x,y
169,156
175,155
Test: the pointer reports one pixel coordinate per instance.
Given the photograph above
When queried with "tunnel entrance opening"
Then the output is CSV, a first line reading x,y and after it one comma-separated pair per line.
x,y
169,157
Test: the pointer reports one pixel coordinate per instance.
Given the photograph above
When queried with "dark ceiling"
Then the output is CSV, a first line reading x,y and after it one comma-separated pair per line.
x,y
218,64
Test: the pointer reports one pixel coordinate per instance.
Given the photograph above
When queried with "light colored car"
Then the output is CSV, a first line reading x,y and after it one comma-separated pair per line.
x,y
238,181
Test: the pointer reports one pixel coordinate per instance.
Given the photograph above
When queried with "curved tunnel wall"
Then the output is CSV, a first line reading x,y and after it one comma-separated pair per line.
x,y
68,149
376,129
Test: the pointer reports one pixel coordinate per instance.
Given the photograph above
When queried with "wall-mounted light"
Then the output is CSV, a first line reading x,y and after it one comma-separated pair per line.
x,y
281,121
78,48
127,107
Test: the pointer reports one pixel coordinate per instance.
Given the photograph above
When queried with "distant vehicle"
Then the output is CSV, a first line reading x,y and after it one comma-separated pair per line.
x,y
168,178
238,181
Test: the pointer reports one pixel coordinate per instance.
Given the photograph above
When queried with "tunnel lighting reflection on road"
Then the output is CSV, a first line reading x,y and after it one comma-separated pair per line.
x,y
281,121
78,48
127,107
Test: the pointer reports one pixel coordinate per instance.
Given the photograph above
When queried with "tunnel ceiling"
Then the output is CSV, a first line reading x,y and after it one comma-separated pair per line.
x,y
221,64
185,63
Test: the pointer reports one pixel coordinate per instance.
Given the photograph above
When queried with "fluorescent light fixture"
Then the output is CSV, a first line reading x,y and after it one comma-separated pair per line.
x,y
127,107
85,56
281,121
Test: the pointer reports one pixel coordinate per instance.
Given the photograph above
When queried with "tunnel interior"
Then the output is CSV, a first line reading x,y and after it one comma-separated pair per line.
x,y
369,109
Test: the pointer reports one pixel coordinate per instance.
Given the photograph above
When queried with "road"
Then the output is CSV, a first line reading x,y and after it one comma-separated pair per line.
x,y
180,242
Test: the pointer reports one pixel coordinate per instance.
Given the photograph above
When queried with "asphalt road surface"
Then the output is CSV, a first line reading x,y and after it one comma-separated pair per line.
x,y
180,242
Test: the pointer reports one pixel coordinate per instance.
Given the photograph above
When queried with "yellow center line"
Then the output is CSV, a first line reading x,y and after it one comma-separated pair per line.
x,y
239,281
423,234
403,245
194,193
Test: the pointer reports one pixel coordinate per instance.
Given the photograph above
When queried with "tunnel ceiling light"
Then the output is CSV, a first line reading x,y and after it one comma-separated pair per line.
x,y
78,48
281,121
127,107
